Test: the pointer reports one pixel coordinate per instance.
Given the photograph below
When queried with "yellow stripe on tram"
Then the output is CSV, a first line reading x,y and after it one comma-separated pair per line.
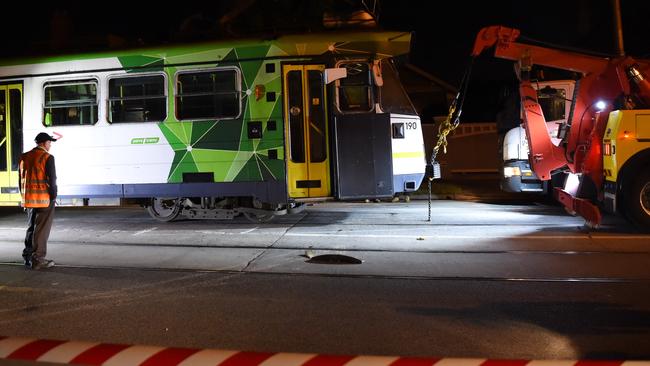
x,y
408,154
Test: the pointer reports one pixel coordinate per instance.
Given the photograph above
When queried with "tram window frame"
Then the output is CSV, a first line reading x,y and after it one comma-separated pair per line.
x,y
392,96
73,110
143,98
369,84
179,96
3,130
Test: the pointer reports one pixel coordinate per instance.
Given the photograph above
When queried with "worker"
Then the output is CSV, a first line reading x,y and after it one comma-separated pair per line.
x,y
38,192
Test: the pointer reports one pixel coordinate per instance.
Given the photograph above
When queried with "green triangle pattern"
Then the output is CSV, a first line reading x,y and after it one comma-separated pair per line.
x,y
241,159
250,171
230,57
222,147
270,168
272,139
223,135
173,134
185,164
128,62
199,129
246,144
200,55
256,56
218,162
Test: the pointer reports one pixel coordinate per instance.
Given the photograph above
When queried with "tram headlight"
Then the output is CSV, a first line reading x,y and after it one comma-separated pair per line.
x,y
511,171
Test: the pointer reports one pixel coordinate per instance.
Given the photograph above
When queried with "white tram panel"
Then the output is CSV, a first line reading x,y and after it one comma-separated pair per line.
x,y
408,153
102,153
409,162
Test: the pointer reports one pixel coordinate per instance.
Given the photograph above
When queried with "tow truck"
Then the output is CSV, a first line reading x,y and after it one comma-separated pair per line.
x,y
516,173
604,145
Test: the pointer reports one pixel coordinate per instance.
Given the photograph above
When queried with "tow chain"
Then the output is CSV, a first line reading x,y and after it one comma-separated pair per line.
x,y
453,117
448,126
445,128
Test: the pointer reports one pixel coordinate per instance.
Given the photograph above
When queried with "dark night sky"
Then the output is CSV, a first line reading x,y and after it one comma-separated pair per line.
x,y
585,24
443,31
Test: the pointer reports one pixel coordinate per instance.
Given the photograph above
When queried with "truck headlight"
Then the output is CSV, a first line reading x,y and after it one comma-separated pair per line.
x,y
509,171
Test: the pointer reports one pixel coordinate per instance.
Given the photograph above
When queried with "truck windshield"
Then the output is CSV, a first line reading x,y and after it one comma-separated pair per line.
x,y
553,103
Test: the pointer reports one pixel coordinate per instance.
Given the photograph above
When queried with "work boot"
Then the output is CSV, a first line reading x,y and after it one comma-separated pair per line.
x,y
42,264
27,257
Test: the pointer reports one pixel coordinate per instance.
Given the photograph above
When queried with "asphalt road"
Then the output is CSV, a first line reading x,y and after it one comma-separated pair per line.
x,y
513,281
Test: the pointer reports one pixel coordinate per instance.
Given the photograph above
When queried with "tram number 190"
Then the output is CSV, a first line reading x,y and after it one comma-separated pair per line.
x,y
411,125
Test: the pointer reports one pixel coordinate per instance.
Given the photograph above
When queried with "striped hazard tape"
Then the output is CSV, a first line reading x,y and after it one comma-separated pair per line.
x,y
91,353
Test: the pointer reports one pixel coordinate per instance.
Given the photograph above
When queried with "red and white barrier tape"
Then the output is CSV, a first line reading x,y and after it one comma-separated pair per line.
x,y
89,353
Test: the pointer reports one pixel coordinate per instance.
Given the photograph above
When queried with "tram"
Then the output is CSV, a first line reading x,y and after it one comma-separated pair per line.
x,y
217,129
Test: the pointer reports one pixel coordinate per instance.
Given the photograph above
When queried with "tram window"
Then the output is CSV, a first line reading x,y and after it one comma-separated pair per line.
x,y
137,99
70,103
296,123
16,128
317,127
354,92
214,94
3,131
392,96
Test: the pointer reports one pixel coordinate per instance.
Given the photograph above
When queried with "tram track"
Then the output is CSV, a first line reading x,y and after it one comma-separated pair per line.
x,y
563,231
297,259
358,276
368,250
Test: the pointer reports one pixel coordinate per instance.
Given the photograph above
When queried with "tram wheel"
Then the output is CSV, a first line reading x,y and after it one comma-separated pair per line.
x,y
258,218
164,209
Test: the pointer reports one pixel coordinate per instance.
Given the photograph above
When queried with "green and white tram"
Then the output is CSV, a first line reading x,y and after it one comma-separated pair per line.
x,y
215,129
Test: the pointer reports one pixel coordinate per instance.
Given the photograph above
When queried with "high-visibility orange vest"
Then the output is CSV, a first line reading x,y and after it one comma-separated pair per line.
x,y
34,188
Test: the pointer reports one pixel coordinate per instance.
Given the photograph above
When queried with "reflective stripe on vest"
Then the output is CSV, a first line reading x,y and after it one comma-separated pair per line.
x,y
35,185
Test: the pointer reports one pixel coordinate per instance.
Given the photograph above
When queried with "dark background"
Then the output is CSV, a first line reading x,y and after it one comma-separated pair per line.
x,y
444,32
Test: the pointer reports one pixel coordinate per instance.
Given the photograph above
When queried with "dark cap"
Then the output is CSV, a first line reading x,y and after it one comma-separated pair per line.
x,y
42,137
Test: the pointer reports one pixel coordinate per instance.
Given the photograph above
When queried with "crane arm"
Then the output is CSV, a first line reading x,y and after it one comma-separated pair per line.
x,y
504,40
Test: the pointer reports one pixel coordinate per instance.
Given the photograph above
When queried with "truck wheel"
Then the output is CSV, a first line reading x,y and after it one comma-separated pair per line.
x,y
638,201
164,209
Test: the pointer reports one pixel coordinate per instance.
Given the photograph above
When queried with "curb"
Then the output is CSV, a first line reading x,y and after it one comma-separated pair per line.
x,y
94,353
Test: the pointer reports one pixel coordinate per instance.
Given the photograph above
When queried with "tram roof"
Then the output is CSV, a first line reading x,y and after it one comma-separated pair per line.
x,y
379,44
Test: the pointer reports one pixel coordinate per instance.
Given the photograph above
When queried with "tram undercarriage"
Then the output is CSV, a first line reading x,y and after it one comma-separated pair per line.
x,y
167,209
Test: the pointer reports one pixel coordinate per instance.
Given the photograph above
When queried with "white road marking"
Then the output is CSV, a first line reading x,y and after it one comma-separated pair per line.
x,y
145,231
514,236
249,231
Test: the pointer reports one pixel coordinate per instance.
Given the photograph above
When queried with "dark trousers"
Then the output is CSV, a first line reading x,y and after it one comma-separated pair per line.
x,y
39,224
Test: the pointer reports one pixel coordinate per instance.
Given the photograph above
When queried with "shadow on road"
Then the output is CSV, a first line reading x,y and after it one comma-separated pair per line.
x,y
583,322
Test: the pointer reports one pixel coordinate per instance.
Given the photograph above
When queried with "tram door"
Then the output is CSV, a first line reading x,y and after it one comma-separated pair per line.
x,y
306,131
11,142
